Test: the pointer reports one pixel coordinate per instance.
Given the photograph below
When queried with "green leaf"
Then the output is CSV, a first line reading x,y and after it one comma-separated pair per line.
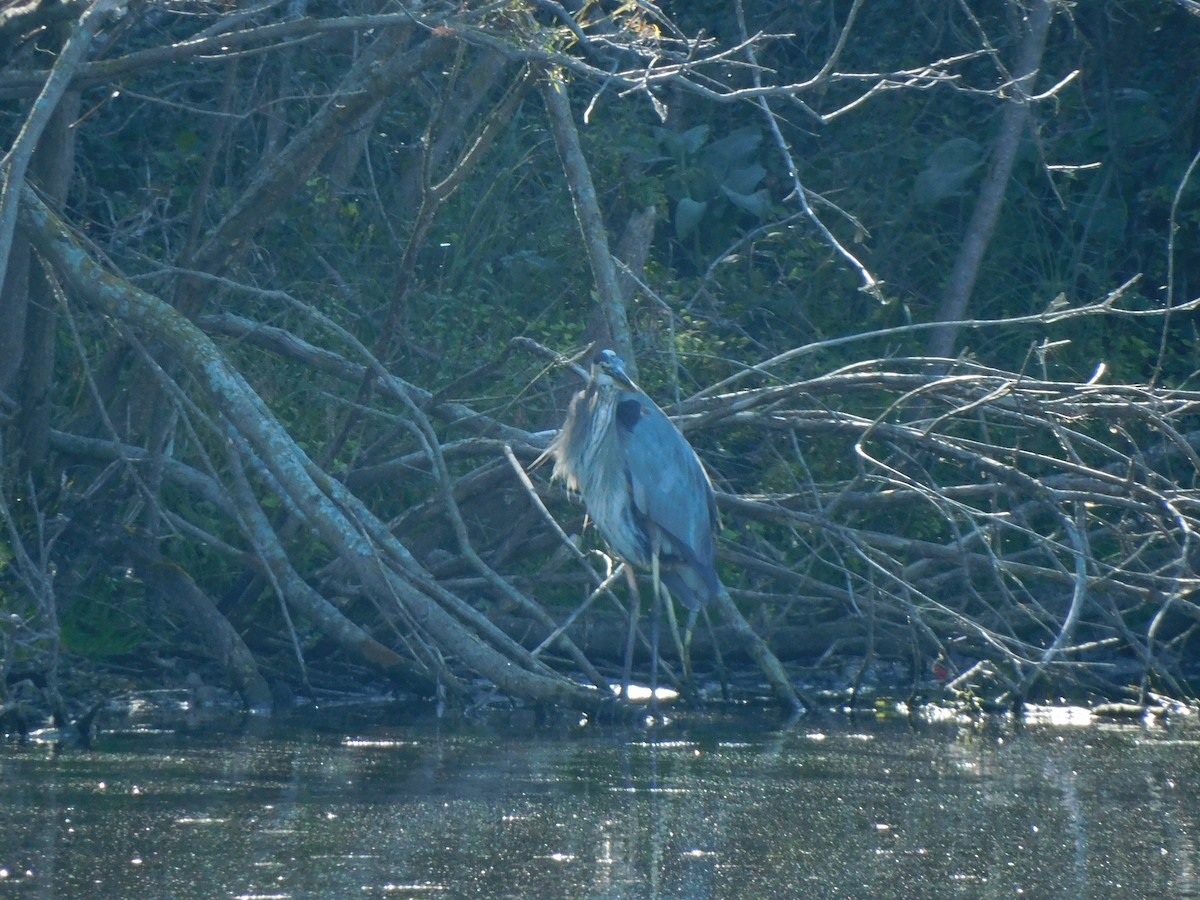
x,y
738,148
688,213
681,144
744,180
758,203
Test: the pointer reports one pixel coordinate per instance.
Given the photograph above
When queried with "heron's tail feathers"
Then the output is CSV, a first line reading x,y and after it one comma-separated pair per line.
x,y
690,588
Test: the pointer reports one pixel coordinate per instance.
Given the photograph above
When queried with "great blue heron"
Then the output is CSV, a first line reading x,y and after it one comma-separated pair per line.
x,y
644,487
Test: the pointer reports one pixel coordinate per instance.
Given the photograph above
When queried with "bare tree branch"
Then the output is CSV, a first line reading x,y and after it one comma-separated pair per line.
x,y
15,161
587,213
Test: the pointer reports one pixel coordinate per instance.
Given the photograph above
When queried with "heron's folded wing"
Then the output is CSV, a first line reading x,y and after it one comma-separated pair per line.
x,y
668,484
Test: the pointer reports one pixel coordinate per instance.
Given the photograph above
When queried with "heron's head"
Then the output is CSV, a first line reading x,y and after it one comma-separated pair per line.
x,y
608,366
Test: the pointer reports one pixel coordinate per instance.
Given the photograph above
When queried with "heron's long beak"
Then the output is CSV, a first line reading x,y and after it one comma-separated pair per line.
x,y
619,376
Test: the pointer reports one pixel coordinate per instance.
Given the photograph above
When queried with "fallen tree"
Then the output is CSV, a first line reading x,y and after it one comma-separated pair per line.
x,y
230,436
1020,534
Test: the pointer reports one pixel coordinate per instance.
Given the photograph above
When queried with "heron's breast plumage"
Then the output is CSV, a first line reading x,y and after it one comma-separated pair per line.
x,y
590,459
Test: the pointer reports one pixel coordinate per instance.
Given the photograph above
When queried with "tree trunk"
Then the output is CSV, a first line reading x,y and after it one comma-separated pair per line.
x,y
991,197
226,645
51,166
591,221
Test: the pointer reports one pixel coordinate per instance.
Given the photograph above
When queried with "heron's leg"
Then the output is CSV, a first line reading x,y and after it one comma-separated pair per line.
x,y
682,645
685,659
635,604
654,627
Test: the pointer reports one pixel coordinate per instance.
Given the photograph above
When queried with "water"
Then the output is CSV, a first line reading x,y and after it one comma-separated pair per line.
x,y
387,805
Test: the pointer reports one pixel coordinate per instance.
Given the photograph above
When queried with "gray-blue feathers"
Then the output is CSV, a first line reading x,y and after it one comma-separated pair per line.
x,y
642,482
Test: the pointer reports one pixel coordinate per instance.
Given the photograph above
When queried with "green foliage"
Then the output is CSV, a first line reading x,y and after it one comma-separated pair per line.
x,y
107,620
706,179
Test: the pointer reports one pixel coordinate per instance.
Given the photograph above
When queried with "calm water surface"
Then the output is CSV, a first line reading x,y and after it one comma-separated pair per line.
x,y
358,805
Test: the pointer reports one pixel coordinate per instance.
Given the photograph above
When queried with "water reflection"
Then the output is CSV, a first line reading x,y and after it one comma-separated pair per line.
x,y
717,807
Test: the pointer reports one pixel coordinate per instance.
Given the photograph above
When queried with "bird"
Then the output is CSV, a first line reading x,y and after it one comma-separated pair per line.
x,y
646,490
